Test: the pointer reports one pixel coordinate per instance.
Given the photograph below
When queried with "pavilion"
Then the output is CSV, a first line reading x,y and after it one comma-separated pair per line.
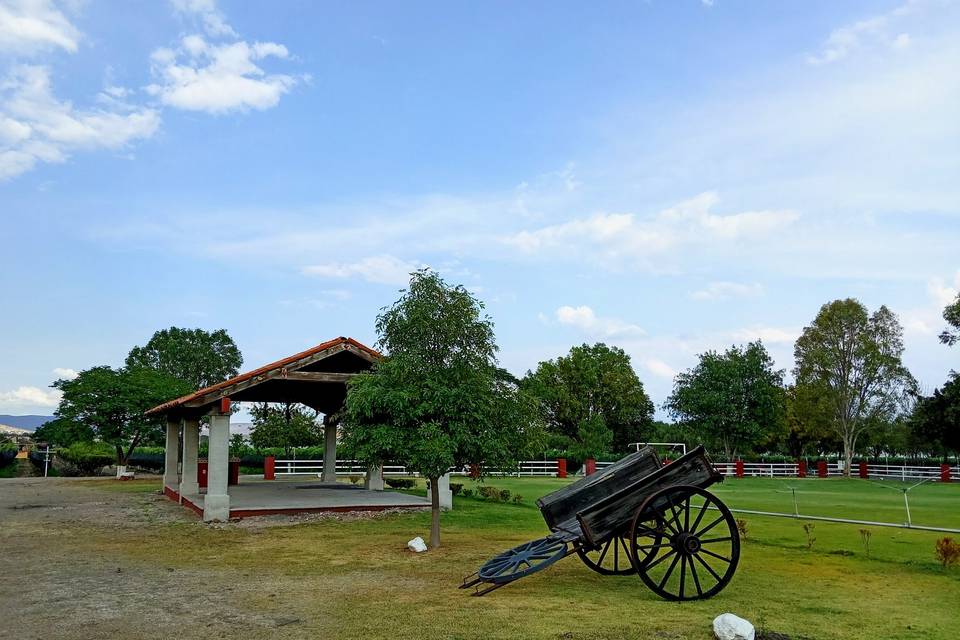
x,y
316,378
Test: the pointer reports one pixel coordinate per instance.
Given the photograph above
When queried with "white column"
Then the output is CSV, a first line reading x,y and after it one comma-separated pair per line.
x,y
446,495
171,451
374,479
216,504
330,450
191,445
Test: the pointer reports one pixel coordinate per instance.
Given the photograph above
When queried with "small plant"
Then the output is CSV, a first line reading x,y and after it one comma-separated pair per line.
x,y
865,535
456,488
948,551
808,530
504,495
490,493
354,479
742,528
401,483
517,498
467,493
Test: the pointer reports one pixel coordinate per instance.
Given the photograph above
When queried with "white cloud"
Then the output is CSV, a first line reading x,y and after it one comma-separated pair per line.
x,y
29,398
928,320
63,373
213,21
29,26
626,235
37,127
660,368
219,78
584,319
727,290
383,269
769,335
847,39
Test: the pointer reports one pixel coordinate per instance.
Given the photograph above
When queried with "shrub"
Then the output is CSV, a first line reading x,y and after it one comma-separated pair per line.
x,y
467,493
808,530
354,479
456,488
742,528
504,495
865,535
88,458
948,551
401,483
490,493
517,498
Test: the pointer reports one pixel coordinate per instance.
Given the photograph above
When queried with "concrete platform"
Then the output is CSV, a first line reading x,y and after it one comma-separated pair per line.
x,y
255,496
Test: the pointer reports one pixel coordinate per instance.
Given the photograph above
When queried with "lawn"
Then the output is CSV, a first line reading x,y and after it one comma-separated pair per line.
x,y
356,579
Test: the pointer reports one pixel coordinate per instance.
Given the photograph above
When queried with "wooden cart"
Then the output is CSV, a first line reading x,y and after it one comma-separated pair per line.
x,y
637,516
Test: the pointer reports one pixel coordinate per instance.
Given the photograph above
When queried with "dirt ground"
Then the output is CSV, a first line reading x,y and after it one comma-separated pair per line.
x,y
56,585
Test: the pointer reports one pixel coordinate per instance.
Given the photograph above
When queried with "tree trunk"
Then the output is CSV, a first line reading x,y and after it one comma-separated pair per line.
x,y
847,456
434,513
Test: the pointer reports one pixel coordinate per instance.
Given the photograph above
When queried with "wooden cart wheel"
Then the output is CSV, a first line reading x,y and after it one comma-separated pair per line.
x,y
523,560
612,558
700,550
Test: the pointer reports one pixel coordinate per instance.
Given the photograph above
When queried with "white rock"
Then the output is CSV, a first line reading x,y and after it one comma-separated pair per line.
x,y
731,627
417,545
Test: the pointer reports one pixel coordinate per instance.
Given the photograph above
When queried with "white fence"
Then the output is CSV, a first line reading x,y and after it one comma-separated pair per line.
x,y
835,469
546,468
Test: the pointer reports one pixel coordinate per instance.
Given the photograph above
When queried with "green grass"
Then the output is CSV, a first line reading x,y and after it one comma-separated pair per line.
x,y
356,579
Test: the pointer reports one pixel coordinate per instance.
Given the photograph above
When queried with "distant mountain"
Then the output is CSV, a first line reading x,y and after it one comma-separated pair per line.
x,y
30,423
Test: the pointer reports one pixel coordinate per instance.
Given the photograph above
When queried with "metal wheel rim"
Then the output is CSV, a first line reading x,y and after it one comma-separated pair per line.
x,y
523,560
703,560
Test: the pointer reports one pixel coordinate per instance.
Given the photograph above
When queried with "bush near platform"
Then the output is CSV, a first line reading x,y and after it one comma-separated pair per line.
x,y
401,483
86,458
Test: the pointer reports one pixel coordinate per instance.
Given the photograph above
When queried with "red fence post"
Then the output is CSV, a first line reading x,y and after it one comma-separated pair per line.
x,y
269,468
202,473
821,468
944,473
591,466
233,474
802,469
666,461
863,470
561,467
738,466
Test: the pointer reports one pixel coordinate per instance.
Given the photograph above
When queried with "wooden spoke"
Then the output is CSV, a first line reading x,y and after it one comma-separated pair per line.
x,y
717,556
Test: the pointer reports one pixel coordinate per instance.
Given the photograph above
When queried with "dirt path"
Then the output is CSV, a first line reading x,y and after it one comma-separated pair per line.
x,y
26,469
55,586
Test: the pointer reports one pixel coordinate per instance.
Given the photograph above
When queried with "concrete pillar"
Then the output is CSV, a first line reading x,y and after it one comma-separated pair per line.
x,y
446,495
191,446
330,450
374,479
172,454
216,504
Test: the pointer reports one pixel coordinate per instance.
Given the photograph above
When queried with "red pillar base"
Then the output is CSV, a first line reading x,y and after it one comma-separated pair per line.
x,y
802,469
591,466
270,468
944,473
561,467
738,468
821,468
864,472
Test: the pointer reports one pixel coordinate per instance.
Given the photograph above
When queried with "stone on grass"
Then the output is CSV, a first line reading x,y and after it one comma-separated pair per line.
x,y
417,545
731,627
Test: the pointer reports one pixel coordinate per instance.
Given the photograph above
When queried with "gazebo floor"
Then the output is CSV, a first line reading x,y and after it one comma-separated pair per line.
x,y
257,497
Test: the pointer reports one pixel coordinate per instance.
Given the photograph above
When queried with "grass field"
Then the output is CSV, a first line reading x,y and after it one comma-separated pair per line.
x,y
355,579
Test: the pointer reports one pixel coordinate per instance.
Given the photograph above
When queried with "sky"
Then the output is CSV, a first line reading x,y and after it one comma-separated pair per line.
x,y
665,176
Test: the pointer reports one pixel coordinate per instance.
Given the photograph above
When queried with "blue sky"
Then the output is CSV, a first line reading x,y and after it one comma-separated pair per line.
x,y
669,177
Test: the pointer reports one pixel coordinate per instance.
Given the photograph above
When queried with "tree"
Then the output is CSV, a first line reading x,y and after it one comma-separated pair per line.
x,y
199,357
63,432
807,422
287,426
853,361
936,418
437,400
591,390
951,313
110,403
733,400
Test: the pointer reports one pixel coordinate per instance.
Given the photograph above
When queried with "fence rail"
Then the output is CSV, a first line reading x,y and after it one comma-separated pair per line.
x,y
545,468
835,469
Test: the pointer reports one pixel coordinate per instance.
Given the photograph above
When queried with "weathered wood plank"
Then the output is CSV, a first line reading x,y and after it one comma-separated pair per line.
x,y
317,376
604,518
563,505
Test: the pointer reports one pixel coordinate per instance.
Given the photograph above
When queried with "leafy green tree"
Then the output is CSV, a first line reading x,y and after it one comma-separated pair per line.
x,y
951,313
437,400
808,423
63,432
733,400
936,418
110,403
852,359
286,425
592,389
200,358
